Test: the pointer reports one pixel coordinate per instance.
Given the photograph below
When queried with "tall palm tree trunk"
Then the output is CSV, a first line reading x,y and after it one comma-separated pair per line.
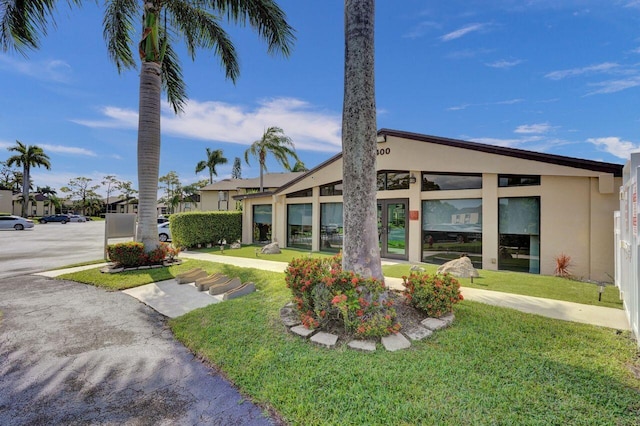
x,y
361,253
149,153
25,189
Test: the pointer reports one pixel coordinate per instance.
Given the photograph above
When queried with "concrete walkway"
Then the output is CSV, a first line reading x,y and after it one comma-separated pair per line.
x,y
174,300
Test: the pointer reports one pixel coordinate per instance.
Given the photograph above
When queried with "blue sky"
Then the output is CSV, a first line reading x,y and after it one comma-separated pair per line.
x,y
560,77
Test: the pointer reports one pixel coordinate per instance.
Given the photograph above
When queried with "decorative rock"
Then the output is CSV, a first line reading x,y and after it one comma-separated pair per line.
x,y
362,345
110,269
236,245
434,324
240,291
302,331
273,248
416,268
395,342
461,268
324,339
289,315
448,318
418,333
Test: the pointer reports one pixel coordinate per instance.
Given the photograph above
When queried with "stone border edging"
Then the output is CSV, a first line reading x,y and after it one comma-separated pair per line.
x,y
392,343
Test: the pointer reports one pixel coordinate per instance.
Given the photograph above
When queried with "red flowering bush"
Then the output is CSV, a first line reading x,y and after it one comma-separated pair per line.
x,y
323,293
433,294
132,254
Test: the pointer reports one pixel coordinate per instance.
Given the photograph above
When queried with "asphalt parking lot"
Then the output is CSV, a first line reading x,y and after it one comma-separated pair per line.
x,y
49,246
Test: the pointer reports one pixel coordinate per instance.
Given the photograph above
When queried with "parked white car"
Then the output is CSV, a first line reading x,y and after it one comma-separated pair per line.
x,y
15,222
77,218
164,233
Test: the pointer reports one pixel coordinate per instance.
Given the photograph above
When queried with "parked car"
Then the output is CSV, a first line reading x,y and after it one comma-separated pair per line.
x,y
162,219
15,222
164,233
77,218
62,218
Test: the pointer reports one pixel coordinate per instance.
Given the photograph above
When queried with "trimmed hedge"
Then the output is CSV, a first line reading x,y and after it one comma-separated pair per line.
x,y
193,228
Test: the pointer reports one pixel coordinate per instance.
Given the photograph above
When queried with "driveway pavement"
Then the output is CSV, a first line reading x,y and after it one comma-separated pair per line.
x,y
75,354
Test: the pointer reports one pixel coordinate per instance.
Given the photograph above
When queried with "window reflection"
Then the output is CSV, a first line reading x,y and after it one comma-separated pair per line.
x,y
449,181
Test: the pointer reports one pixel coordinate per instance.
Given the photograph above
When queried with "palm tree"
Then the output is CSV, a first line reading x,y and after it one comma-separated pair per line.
x,y
273,141
299,167
360,251
27,157
213,159
196,23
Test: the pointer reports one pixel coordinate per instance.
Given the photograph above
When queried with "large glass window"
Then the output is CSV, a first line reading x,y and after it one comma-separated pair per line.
x,y
451,181
391,180
299,226
518,180
331,189
303,193
519,234
331,231
450,229
262,217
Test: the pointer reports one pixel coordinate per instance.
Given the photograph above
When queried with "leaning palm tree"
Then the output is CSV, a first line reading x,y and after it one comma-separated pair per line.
x,y
273,141
360,252
213,159
196,23
27,157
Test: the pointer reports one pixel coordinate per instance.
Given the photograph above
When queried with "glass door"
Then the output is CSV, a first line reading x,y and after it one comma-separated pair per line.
x,y
392,229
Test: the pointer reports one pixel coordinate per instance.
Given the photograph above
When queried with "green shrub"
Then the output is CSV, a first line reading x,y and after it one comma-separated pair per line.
x,y
433,294
193,228
132,254
323,293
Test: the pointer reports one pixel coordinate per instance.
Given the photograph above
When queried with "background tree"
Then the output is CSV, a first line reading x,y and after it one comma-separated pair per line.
x,y
126,189
236,172
81,190
299,167
214,157
195,23
273,142
111,184
360,252
27,157
191,192
6,176
172,190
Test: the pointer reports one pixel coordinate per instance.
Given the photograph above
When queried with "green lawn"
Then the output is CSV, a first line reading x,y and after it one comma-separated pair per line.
x,y
492,366
527,284
249,251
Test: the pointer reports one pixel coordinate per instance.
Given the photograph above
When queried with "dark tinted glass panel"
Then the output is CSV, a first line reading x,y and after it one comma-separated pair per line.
x,y
446,181
303,193
391,180
450,229
262,223
331,189
299,226
519,234
518,180
331,230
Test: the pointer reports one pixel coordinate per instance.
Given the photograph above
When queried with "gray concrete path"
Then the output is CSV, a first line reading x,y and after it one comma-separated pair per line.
x,y
76,354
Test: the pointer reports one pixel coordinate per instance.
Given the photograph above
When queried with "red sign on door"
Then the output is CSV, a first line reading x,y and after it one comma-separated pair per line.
x,y
413,215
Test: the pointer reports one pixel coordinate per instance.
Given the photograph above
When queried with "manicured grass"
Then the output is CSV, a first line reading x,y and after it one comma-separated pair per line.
x,y
492,366
129,279
528,284
249,251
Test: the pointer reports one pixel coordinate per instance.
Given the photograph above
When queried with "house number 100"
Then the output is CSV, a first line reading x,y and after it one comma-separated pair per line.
x,y
383,151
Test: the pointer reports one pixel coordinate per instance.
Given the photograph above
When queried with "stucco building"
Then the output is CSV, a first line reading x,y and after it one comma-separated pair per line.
x,y
438,198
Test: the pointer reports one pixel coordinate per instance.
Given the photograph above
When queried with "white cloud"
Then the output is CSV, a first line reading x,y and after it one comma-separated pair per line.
x,y
503,64
420,29
72,150
533,128
615,146
613,86
51,70
591,69
463,31
310,128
